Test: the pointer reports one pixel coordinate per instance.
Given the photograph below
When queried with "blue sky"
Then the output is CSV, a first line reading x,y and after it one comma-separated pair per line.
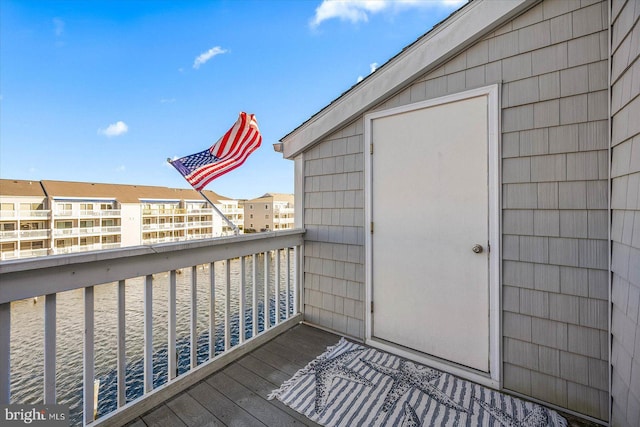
x,y
105,91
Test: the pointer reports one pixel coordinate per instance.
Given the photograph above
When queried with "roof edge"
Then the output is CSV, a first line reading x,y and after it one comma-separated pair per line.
x,y
445,40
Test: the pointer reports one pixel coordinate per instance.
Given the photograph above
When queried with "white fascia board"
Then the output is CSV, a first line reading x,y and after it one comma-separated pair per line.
x,y
83,199
446,40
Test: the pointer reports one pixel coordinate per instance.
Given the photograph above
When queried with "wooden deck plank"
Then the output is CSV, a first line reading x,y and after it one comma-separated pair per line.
x,y
298,356
263,388
313,334
277,361
251,402
236,395
307,343
222,407
162,416
191,412
136,423
268,372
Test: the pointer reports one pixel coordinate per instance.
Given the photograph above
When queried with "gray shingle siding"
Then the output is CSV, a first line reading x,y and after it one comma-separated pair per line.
x,y
625,208
334,243
552,65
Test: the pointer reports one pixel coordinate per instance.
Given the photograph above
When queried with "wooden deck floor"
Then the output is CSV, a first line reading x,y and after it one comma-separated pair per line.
x,y
237,395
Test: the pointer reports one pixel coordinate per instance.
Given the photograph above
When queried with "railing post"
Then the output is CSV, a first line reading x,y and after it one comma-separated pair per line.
x,y
122,349
288,304
172,370
50,349
88,362
276,287
194,316
241,297
5,353
254,295
298,258
148,333
266,291
227,305
212,310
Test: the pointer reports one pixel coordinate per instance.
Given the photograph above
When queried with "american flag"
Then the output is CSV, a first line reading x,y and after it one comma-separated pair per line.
x,y
228,153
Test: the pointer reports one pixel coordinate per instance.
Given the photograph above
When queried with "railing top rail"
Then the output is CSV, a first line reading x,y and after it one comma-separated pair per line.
x,y
28,278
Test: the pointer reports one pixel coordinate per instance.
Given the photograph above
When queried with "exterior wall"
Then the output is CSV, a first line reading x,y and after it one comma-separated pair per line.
x,y
334,242
625,205
552,63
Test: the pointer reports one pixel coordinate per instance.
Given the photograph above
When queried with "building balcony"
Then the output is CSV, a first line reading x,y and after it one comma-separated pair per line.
x,y
8,215
34,234
90,213
272,288
199,224
9,235
112,229
163,212
111,245
74,231
25,253
34,214
89,230
206,211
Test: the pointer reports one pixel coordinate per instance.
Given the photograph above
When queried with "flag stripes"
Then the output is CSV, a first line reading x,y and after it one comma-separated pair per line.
x,y
228,153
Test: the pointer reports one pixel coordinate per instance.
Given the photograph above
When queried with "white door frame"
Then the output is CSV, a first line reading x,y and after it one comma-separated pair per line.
x,y
493,378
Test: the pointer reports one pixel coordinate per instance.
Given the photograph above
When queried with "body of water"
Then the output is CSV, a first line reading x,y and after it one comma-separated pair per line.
x,y
27,332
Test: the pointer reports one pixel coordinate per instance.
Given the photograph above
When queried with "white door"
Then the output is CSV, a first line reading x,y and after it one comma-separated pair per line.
x,y
429,198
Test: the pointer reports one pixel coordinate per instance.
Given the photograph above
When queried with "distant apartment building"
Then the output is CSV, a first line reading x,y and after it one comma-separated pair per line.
x,y
270,212
25,219
56,217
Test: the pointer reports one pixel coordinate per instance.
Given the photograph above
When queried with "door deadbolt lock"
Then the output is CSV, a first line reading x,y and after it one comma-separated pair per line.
x,y
477,248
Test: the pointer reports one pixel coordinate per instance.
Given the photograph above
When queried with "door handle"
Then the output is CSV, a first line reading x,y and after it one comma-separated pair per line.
x,y
477,248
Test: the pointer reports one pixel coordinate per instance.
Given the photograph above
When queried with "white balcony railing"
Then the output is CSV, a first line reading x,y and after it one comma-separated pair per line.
x,y
30,253
111,229
34,234
111,245
199,224
110,212
242,291
8,214
9,255
34,214
89,230
65,231
9,235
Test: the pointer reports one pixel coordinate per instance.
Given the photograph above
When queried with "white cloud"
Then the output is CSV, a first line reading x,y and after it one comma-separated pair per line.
x,y
58,26
121,168
372,67
206,56
115,129
359,10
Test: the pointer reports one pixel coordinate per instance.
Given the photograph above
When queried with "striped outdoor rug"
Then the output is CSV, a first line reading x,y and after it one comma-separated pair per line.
x,y
352,385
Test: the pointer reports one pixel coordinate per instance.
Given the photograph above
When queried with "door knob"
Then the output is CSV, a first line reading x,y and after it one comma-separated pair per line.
x,y
477,248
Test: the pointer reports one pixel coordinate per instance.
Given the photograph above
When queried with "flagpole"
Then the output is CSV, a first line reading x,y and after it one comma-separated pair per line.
x,y
236,231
